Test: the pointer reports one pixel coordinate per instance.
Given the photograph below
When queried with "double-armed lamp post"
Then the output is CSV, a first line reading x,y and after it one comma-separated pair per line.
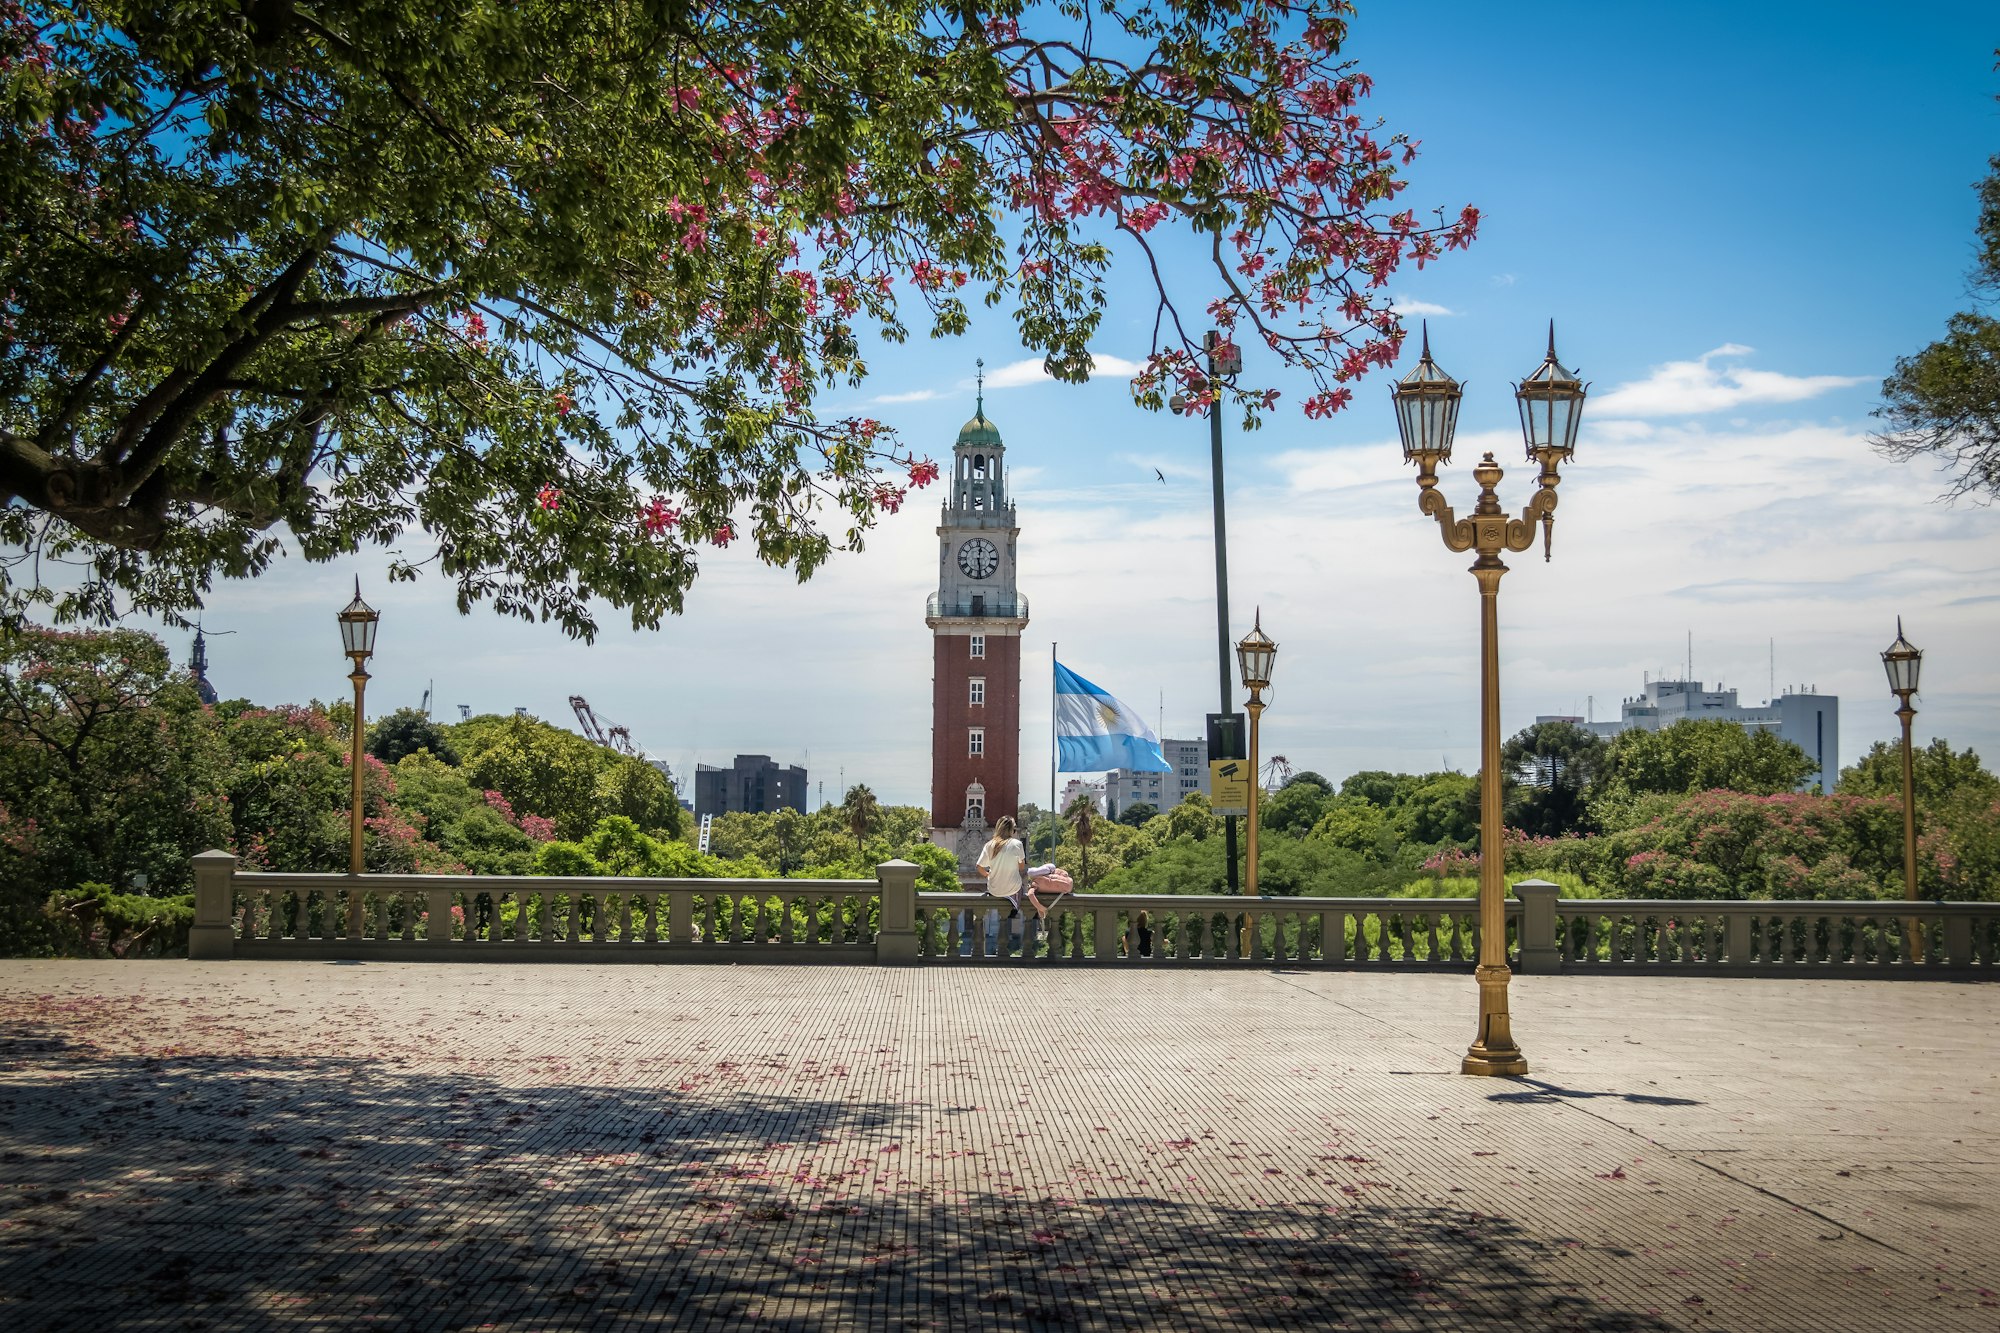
x,y
1904,661
1551,403
1255,654
357,640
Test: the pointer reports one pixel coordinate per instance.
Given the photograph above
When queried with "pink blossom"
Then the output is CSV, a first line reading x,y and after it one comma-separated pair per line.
x,y
658,516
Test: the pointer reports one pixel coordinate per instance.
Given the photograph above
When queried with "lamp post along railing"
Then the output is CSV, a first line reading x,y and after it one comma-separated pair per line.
x,y
1551,405
1904,662
357,639
1255,654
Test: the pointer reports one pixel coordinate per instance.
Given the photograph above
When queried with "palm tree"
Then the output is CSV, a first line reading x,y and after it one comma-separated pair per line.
x,y
862,811
1080,815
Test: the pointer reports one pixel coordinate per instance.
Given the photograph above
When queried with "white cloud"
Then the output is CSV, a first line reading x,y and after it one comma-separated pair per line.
x,y
1020,374
1684,388
1409,305
1379,463
913,396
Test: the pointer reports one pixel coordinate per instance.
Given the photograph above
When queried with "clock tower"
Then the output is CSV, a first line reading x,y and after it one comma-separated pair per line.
x,y
976,617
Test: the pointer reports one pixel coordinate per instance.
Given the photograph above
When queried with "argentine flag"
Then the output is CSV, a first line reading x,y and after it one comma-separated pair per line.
x,y
1095,732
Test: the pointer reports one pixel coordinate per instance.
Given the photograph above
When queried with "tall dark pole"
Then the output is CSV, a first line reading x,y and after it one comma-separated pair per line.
x,y
1221,579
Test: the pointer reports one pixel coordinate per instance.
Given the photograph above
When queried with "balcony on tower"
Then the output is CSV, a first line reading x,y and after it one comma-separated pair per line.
x,y
976,606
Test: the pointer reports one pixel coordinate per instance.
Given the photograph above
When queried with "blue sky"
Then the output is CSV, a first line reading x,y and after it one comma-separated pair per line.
x,y
1739,216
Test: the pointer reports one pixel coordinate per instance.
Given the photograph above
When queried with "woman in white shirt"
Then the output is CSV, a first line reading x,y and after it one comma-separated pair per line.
x,y
1001,860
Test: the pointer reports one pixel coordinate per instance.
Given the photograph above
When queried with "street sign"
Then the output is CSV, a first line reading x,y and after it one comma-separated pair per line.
x,y
1225,736
1229,786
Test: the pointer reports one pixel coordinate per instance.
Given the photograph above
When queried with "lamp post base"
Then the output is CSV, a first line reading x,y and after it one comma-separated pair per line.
x,y
1494,1053
1504,1064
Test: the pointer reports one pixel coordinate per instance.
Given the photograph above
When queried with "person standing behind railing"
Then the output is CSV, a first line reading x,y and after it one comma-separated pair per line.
x,y
1139,938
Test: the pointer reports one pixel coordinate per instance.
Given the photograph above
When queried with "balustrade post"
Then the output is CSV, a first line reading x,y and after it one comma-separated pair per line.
x,y
1539,954
896,938
437,904
1736,927
213,934
1958,939
1104,925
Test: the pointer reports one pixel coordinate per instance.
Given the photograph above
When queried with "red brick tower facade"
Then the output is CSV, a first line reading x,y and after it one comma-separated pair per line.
x,y
976,617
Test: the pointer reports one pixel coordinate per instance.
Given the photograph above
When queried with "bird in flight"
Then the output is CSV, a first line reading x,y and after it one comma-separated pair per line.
x,y
1161,475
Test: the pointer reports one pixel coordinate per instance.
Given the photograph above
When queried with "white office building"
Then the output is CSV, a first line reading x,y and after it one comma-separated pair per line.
x,y
1801,715
1124,788
1075,787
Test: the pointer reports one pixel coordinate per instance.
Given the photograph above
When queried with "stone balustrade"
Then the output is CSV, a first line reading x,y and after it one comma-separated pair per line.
x,y
247,914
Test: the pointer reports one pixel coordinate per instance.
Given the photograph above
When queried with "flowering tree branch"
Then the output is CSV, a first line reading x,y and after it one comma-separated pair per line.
x,y
553,290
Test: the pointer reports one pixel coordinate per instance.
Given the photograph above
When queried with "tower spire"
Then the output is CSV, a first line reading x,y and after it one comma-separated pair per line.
x,y
979,377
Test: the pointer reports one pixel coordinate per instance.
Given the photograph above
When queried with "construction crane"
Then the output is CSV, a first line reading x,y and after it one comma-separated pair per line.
x,y
1277,772
601,730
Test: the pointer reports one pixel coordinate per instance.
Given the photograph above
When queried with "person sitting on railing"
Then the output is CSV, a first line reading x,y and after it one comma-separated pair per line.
x,y
1000,861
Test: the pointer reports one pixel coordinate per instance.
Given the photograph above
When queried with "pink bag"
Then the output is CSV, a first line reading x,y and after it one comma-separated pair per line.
x,y
1053,884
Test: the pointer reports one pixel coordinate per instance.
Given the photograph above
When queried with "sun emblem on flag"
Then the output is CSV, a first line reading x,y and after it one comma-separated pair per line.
x,y
1108,714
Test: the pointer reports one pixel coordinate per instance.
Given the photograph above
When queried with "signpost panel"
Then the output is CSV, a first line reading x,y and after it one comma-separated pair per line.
x,y
1229,786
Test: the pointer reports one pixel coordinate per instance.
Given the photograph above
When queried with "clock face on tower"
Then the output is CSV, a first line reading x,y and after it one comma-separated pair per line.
x,y
978,558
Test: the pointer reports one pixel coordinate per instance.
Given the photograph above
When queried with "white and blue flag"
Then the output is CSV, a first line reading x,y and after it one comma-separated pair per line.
x,y
1095,732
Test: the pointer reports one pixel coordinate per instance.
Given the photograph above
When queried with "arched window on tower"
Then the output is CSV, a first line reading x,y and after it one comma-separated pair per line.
x,y
975,803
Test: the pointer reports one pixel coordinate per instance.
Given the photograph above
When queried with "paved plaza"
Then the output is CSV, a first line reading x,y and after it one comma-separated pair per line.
x,y
221,1146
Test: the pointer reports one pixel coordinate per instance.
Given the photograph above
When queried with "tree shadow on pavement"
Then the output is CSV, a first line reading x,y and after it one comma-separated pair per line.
x,y
241,1192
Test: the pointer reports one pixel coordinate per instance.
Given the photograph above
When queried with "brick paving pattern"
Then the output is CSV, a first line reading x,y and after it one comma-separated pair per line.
x,y
226,1146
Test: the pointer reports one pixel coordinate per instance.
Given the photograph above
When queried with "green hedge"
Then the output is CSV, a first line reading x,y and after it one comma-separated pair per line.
x,y
91,917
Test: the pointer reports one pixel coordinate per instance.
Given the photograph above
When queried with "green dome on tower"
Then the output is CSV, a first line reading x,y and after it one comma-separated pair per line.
x,y
979,431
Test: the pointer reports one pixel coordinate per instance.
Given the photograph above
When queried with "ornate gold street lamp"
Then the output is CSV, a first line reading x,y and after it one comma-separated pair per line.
x,y
357,640
1904,661
1255,653
1551,403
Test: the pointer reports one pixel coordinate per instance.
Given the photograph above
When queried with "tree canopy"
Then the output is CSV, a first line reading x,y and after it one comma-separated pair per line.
x,y
1939,774
105,760
546,293
1943,403
406,731
1702,754
1551,767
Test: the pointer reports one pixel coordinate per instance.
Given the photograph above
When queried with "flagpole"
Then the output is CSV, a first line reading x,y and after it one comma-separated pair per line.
x,y
1053,760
